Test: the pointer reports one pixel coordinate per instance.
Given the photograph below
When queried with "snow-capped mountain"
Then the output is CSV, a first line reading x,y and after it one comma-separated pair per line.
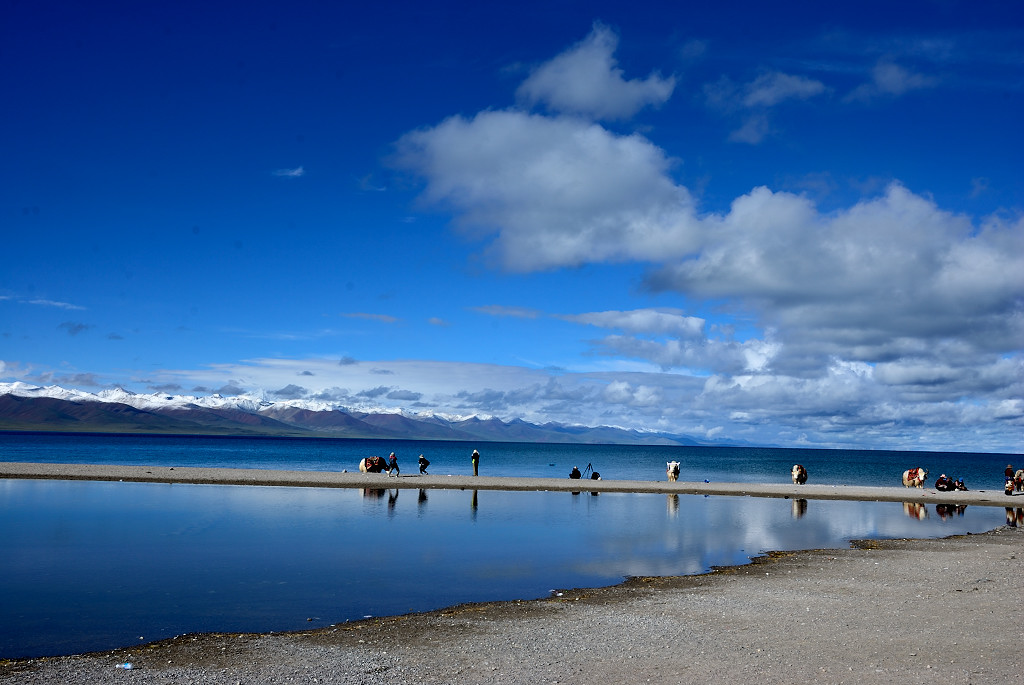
x,y
26,407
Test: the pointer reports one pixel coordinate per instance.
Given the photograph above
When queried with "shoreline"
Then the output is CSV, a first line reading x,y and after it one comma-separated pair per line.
x,y
342,479
879,611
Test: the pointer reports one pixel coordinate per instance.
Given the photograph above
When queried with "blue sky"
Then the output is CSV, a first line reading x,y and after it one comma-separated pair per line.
x,y
790,225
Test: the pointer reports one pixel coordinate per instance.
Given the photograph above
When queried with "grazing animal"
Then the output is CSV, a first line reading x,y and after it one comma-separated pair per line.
x,y
672,470
799,474
915,478
373,465
1018,480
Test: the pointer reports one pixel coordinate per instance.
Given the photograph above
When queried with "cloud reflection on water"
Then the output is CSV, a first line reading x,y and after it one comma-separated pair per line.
x,y
95,565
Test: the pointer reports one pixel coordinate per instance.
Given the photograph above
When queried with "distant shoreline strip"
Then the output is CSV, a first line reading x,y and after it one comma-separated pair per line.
x,y
337,479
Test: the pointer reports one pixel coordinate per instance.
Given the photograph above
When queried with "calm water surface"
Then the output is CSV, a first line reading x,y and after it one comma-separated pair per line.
x,y
93,566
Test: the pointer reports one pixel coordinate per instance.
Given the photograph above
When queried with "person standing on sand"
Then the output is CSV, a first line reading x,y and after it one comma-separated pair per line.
x,y
476,462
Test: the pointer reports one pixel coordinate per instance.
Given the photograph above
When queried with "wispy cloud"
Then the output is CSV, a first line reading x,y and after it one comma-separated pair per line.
x,y
383,318
889,79
74,327
290,173
753,101
515,312
54,303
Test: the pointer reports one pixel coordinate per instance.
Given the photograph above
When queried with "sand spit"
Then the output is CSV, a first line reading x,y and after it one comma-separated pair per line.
x,y
332,479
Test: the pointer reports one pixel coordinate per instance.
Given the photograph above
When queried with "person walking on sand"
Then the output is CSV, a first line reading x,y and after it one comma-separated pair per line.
x,y
476,463
424,463
393,465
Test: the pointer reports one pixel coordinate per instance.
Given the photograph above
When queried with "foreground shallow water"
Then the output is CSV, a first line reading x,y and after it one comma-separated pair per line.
x,y
92,566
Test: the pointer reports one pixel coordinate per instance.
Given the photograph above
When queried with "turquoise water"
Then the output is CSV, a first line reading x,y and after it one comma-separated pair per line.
x,y
94,566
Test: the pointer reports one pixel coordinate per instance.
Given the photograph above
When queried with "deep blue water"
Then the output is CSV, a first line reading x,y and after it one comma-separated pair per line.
x,y
619,462
93,566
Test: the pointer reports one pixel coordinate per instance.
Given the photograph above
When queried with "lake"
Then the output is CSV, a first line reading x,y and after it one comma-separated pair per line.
x,y
93,566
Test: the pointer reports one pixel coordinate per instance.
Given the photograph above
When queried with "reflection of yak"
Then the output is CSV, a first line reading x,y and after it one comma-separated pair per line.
x,y
799,474
373,465
799,508
915,510
672,470
673,506
914,478
1014,517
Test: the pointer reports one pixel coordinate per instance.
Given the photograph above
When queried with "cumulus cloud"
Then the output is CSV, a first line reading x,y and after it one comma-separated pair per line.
x,y
880,280
556,191
585,80
891,311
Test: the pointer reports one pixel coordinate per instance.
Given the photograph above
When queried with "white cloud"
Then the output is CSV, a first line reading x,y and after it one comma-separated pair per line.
x,y
58,305
771,88
890,79
585,80
892,280
646,321
290,173
557,191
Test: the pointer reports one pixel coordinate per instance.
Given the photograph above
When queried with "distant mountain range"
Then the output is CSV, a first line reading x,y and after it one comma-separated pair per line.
x,y
25,407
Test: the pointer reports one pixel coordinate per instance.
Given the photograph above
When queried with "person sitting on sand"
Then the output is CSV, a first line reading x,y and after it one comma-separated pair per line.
x,y
943,483
575,473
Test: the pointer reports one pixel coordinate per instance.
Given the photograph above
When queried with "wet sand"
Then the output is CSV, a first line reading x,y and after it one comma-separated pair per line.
x,y
907,611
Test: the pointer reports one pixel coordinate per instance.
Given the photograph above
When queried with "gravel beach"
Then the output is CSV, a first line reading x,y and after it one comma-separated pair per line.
x,y
907,611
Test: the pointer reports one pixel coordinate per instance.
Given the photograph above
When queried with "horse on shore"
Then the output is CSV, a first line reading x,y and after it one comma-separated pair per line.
x,y
915,478
799,474
672,470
